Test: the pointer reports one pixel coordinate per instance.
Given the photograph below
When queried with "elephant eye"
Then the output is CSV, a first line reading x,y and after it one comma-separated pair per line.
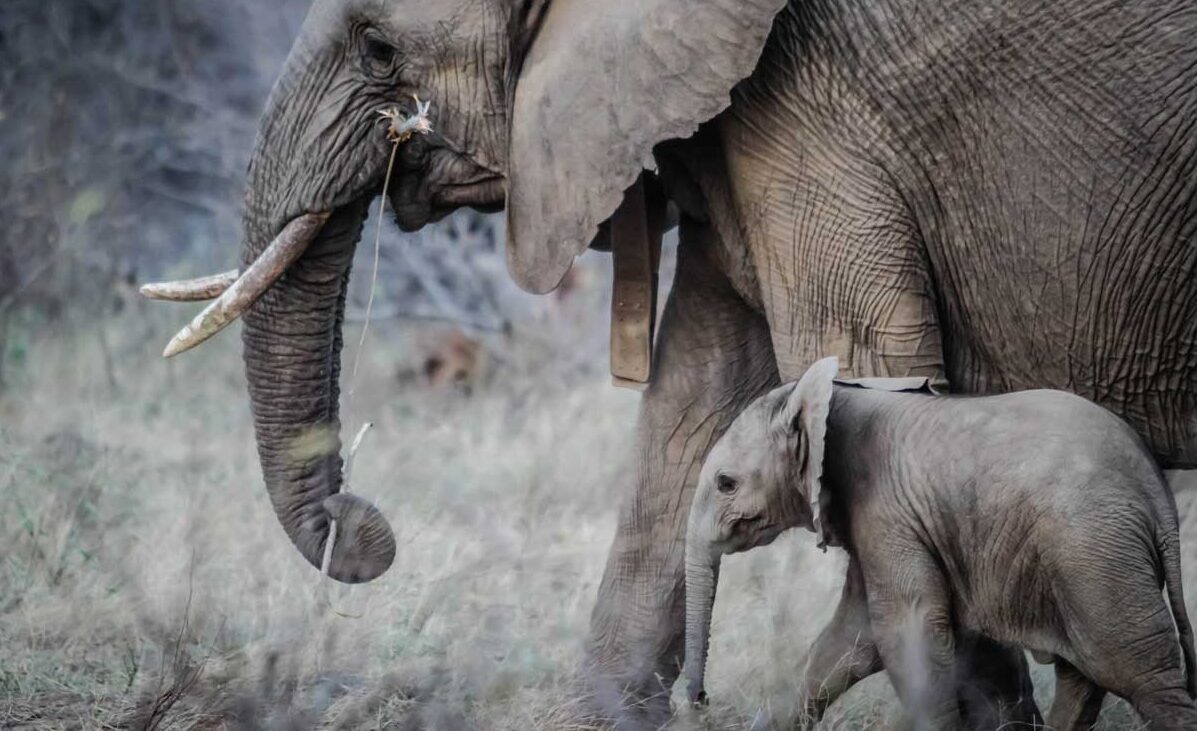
x,y
378,56
725,484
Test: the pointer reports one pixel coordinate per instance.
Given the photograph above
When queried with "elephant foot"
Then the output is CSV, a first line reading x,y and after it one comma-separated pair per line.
x,y
631,701
995,686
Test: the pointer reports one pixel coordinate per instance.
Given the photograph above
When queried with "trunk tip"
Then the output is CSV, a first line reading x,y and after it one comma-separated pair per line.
x,y
364,547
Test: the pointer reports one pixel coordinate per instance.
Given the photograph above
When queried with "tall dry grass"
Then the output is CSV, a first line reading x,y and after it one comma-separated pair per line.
x,y
145,583
144,574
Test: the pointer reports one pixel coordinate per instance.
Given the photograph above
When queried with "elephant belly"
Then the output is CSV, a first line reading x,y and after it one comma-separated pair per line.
x,y
1092,291
1141,387
838,265
1020,618
1058,212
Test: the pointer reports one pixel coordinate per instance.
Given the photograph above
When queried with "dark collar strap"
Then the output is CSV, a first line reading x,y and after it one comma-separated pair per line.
x,y
636,229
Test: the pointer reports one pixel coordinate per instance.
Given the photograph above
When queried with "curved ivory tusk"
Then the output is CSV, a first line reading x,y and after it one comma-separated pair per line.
x,y
265,271
199,289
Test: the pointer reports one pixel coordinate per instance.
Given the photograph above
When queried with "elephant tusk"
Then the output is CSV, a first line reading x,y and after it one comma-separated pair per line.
x,y
291,242
199,289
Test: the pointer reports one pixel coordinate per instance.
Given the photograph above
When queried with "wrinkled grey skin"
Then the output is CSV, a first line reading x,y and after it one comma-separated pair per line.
x,y
322,146
1035,519
993,195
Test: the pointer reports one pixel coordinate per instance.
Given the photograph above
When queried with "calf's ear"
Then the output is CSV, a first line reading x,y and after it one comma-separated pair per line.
x,y
803,416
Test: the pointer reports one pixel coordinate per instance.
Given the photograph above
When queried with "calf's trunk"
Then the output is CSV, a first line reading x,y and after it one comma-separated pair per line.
x,y
702,574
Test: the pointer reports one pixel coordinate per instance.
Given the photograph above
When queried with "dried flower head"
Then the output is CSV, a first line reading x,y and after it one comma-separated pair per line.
x,y
402,128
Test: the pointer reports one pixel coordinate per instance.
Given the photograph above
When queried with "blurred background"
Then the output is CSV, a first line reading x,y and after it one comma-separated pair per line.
x,y
144,582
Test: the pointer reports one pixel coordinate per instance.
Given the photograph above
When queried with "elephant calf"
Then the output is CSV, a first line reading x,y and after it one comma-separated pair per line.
x,y
1035,519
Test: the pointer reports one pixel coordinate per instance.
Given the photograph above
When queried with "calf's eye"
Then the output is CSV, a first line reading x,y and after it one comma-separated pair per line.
x,y
725,484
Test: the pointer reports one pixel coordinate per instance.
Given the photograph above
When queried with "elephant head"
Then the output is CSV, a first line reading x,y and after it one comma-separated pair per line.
x,y
762,477
549,107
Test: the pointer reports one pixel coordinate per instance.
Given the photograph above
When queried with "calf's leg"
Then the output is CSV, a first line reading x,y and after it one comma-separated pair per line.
x,y
843,654
995,689
1122,634
911,617
1078,699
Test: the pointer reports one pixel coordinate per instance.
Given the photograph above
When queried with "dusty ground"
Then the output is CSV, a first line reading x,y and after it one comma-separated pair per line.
x,y
144,580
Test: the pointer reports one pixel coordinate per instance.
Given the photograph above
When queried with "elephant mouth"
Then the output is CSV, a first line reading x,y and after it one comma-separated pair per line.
x,y
485,195
415,206
748,533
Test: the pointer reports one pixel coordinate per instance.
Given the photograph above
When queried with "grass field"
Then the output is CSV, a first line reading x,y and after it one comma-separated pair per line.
x,y
145,582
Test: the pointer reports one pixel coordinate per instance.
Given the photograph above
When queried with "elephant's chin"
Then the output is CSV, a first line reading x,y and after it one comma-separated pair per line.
x,y
412,216
486,193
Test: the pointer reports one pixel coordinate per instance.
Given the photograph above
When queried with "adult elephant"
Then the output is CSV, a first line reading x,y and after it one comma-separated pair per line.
x,y
994,195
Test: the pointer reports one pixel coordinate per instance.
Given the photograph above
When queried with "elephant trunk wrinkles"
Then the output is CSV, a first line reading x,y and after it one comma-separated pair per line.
x,y
292,347
702,574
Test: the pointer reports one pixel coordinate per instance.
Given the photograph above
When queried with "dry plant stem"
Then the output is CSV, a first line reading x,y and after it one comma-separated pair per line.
x,y
348,472
326,561
357,442
269,266
398,134
361,343
199,289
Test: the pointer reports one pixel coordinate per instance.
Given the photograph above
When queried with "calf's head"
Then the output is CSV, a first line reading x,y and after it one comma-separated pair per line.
x,y
762,477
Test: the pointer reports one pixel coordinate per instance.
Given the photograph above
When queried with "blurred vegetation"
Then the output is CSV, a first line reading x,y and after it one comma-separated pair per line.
x,y
125,128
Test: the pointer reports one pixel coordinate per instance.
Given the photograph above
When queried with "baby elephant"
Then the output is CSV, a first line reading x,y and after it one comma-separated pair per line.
x,y
1033,519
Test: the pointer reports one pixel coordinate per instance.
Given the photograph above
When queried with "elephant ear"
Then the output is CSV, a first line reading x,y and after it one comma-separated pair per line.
x,y
804,416
602,83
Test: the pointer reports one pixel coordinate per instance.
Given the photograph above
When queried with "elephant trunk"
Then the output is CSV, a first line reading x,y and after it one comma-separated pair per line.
x,y
292,350
702,574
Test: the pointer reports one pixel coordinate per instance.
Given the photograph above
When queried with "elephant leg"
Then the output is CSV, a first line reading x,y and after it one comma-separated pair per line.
x,y
1121,633
911,618
843,654
1078,699
1166,708
994,685
713,357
